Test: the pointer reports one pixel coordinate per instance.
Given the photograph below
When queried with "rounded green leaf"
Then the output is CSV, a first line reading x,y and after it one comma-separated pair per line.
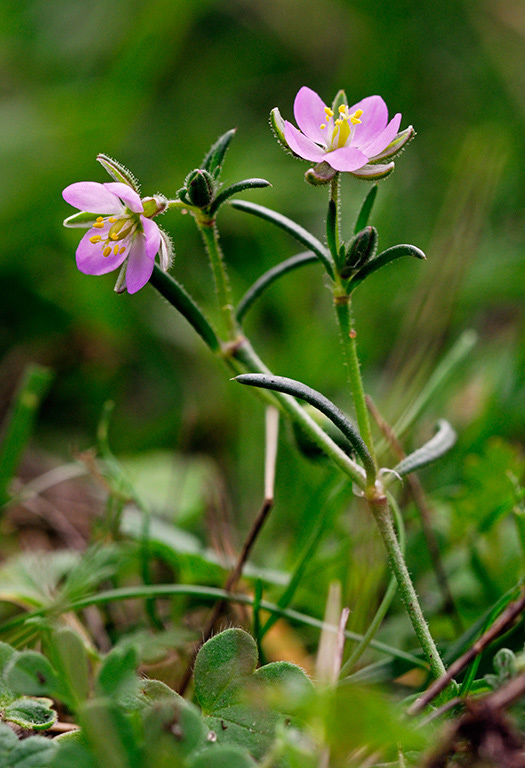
x,y
221,667
30,714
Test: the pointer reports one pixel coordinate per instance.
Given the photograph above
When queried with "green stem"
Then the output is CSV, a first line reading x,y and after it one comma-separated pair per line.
x,y
210,235
385,602
378,505
348,338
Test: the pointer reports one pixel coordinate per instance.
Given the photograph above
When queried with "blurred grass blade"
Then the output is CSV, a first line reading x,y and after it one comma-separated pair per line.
x,y
442,442
20,421
366,210
269,277
301,235
448,365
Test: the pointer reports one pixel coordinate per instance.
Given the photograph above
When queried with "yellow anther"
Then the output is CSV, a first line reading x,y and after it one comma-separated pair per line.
x,y
328,112
95,239
121,250
355,117
116,249
114,237
100,218
106,251
112,219
338,121
342,108
98,224
323,125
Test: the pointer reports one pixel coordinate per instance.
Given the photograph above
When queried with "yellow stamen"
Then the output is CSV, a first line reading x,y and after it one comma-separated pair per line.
x,y
323,125
98,224
338,121
114,237
112,219
100,218
106,251
121,250
95,239
116,249
328,112
342,108
354,119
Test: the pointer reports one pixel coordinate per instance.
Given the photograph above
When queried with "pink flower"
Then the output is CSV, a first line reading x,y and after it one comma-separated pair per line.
x,y
349,140
120,230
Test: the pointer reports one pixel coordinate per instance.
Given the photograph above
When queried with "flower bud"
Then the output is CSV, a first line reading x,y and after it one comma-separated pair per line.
x,y
154,205
359,251
200,188
320,174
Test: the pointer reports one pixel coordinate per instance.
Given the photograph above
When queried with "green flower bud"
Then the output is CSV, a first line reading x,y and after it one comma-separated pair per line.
x,y
361,248
200,188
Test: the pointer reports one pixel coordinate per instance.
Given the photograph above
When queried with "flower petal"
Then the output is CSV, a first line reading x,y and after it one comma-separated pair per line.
x,y
346,158
91,261
152,235
130,197
92,197
309,113
140,267
301,144
384,138
373,120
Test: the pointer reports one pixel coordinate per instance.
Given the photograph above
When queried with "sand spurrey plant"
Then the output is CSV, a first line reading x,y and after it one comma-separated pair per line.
x,y
241,714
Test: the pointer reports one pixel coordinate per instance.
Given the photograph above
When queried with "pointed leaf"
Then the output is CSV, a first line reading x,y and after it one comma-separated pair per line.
x,y
81,219
366,210
395,146
340,100
319,401
215,157
269,277
381,260
295,230
442,442
277,126
240,186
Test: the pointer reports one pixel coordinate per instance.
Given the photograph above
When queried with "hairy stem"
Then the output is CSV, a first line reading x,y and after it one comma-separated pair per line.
x,y
210,235
378,505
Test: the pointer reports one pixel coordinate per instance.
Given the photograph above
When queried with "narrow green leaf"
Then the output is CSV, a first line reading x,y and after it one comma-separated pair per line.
x,y
68,653
331,226
214,158
319,401
442,442
20,420
177,296
277,126
341,100
81,219
381,260
295,230
366,209
269,277
239,186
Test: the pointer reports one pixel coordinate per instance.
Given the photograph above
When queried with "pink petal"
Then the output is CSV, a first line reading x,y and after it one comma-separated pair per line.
x,y
346,159
301,145
90,260
309,113
152,235
384,138
373,120
130,197
92,197
140,267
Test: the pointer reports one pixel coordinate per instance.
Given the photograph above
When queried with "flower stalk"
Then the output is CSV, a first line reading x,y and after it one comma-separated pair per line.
x,y
210,235
378,505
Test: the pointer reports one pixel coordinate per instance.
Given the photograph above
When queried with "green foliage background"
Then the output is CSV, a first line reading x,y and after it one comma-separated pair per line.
x,y
153,83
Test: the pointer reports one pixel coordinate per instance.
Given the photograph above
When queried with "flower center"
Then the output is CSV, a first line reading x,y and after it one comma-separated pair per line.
x,y
342,128
111,239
